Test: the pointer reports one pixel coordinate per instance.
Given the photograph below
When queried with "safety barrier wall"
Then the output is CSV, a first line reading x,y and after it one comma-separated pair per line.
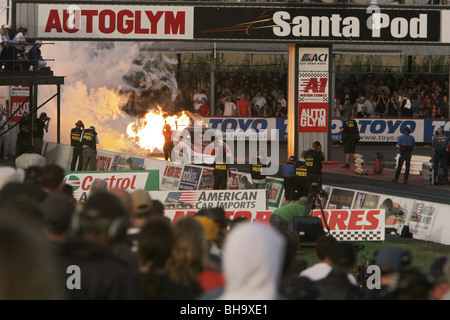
x,y
426,220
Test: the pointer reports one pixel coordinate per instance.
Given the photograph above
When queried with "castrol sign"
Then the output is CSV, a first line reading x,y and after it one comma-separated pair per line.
x,y
115,22
82,182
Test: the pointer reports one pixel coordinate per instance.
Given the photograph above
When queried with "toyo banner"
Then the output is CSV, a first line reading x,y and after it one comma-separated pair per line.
x,y
248,128
389,129
81,182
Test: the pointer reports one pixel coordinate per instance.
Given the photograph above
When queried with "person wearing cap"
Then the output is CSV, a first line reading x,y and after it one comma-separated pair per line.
x,y
290,194
75,136
39,126
350,137
35,56
406,144
313,160
89,141
392,261
440,143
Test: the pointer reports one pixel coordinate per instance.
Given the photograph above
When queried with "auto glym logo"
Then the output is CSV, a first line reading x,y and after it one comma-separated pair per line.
x,y
115,21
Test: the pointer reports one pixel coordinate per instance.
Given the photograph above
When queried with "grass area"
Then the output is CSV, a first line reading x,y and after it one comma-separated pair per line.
x,y
424,253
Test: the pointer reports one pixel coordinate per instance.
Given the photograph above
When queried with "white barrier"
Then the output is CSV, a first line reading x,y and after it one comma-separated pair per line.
x,y
426,220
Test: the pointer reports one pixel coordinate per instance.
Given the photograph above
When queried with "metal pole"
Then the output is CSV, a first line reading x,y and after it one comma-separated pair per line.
x,y
58,114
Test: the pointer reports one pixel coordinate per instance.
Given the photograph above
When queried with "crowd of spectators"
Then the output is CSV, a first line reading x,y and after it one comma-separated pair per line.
x,y
55,248
257,94
384,95
17,52
239,95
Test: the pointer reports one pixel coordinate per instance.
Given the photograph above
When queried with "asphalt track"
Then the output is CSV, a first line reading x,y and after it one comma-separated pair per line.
x,y
334,175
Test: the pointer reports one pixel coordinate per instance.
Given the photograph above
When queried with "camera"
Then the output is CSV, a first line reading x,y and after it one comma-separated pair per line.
x,y
317,190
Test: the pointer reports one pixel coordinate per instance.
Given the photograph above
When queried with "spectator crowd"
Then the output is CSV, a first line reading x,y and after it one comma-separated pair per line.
x,y
257,94
119,245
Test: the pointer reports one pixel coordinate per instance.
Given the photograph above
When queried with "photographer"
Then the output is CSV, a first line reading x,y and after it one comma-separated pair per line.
x,y
313,159
39,125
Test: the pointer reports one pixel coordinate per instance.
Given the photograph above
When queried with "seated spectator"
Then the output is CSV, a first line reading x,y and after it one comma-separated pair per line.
x,y
265,111
20,54
280,111
35,56
363,113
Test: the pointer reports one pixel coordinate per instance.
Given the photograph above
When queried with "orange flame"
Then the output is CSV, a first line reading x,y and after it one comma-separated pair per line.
x,y
147,131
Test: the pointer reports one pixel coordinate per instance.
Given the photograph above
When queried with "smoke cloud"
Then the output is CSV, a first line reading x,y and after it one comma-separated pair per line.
x,y
99,77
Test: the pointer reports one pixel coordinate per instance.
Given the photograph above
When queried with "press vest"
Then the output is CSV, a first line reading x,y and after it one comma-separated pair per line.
x,y
89,139
75,135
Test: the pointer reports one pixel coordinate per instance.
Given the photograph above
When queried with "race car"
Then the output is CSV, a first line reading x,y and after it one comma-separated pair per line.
x,y
199,145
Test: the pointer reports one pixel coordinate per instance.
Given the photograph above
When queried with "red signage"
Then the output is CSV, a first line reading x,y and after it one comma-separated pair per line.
x,y
313,117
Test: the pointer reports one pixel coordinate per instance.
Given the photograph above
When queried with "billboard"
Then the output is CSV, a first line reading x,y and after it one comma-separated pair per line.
x,y
81,181
115,21
354,225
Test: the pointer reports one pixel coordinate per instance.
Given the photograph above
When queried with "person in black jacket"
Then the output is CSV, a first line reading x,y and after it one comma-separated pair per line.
x,y
220,171
336,285
23,143
93,271
313,159
350,138
89,141
75,136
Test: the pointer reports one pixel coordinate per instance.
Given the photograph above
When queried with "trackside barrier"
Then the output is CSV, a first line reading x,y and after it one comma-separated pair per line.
x,y
426,220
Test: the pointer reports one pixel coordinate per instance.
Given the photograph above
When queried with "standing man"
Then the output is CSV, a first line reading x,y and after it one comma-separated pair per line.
x,y
229,107
440,143
220,171
290,194
406,144
301,176
258,178
350,138
168,143
89,141
23,143
243,106
313,160
75,136
40,124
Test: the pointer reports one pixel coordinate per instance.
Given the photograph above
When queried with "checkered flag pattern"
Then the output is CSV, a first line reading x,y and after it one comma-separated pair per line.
x,y
357,235
313,74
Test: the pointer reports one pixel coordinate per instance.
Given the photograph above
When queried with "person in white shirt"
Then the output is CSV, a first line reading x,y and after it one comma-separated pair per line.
x,y
229,107
197,99
321,269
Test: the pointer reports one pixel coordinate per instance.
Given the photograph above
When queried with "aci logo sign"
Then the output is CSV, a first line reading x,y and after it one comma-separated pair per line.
x,y
313,57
